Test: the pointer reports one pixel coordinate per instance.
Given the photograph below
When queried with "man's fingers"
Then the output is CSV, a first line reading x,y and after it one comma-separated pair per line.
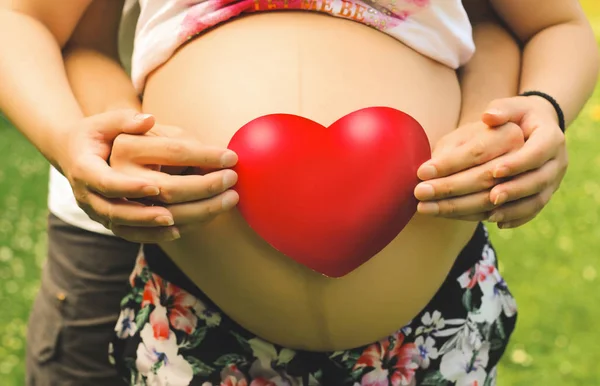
x,y
112,123
127,213
471,204
205,210
180,189
528,183
486,145
516,223
483,216
538,149
523,208
501,111
97,176
155,150
462,183
146,235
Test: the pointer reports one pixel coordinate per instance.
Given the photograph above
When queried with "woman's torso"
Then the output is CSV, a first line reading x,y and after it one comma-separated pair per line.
x,y
321,68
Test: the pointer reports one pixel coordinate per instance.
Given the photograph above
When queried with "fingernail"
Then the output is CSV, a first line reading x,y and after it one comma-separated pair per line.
x,y
427,172
504,225
229,201
175,234
229,158
501,198
493,112
428,208
229,179
424,192
151,191
500,172
141,117
496,217
164,220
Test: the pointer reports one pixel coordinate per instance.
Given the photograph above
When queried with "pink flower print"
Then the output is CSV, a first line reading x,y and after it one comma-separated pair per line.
x,y
233,381
140,264
232,376
210,13
478,274
160,362
393,362
172,304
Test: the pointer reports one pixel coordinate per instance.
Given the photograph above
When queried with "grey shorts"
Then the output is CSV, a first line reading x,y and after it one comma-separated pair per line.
x,y
74,315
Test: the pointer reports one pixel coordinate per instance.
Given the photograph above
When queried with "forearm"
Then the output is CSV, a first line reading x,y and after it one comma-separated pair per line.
x,y
97,78
35,93
562,61
493,72
560,54
99,82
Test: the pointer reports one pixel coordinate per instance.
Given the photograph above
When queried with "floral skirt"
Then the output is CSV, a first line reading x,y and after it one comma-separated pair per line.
x,y
167,336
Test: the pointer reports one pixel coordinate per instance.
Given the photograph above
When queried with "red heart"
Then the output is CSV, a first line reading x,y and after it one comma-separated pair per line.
x,y
329,198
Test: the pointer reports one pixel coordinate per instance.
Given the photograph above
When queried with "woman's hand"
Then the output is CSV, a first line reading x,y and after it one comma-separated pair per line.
x,y
459,176
476,174
98,188
162,155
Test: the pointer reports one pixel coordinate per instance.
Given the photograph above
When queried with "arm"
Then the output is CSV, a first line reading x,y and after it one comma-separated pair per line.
x,y
560,55
512,187
35,93
36,96
455,184
92,63
493,71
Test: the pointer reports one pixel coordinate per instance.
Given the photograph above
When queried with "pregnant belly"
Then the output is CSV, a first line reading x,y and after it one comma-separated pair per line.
x,y
321,68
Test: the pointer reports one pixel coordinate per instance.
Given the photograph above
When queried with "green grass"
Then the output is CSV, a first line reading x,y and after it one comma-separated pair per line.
x,y
552,264
23,190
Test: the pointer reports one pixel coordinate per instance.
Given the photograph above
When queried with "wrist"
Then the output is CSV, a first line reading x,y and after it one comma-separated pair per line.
x,y
546,105
57,149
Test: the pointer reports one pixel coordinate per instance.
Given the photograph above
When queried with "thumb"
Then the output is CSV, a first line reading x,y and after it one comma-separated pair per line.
x,y
501,111
112,123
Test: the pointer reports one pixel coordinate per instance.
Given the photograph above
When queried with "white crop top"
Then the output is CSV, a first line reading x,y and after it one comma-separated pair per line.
x,y
439,29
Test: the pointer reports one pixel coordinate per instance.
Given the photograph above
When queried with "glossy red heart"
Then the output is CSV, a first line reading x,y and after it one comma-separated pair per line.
x,y
329,198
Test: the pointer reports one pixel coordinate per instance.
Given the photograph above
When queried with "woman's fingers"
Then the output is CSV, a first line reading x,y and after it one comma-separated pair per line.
x,y
457,154
204,210
159,150
462,183
457,207
179,189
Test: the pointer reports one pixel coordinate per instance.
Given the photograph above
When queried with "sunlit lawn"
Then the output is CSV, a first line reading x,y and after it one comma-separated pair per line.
x,y
551,265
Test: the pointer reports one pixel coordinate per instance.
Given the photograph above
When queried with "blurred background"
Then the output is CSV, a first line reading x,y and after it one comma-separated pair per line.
x,y
552,264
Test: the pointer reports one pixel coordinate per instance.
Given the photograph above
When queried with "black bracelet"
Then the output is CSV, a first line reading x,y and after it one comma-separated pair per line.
x,y
553,102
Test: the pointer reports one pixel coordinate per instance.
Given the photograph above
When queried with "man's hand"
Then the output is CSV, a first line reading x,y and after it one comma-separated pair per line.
x,y
536,171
